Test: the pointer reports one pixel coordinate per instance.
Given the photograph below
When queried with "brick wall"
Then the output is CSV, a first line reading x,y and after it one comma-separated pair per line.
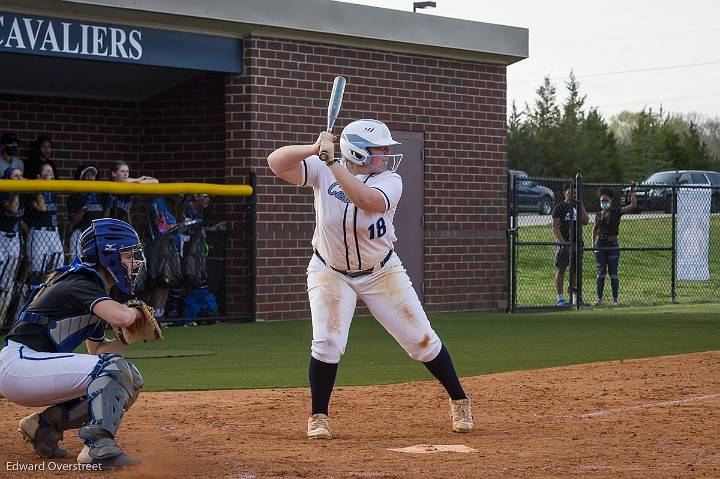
x,y
178,135
460,108
93,131
182,131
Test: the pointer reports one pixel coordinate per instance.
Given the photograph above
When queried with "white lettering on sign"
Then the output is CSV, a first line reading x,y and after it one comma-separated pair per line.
x,y
117,41
47,35
135,37
51,39
66,39
99,35
32,35
15,35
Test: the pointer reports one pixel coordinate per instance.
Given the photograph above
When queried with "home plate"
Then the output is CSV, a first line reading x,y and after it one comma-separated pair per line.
x,y
432,448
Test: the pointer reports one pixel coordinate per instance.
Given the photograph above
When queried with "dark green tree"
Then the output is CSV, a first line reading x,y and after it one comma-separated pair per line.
x,y
694,149
599,150
521,151
647,152
543,121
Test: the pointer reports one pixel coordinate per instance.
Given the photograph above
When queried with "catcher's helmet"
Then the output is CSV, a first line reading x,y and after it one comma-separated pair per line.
x,y
360,135
103,244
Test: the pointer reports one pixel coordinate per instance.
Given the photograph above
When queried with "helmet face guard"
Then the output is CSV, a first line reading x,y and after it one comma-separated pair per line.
x,y
114,245
360,135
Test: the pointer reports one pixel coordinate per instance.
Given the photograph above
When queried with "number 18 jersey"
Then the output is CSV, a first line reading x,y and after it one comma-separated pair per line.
x,y
348,238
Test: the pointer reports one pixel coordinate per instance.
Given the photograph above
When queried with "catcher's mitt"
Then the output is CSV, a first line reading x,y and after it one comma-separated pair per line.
x,y
145,328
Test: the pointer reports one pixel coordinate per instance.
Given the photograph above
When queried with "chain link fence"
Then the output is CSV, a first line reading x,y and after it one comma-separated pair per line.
x,y
195,245
665,250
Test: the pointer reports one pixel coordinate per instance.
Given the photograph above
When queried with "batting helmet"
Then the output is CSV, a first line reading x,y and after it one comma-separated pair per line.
x,y
360,135
104,242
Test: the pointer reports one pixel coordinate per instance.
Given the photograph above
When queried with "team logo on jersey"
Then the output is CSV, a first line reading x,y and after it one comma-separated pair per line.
x,y
335,191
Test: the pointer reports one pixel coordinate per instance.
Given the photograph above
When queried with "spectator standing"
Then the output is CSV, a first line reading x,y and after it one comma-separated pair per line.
x,y
83,208
118,206
605,240
43,154
9,147
563,215
44,246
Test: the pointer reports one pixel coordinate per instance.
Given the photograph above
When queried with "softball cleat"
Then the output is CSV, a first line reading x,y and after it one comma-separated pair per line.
x,y
43,436
461,414
319,427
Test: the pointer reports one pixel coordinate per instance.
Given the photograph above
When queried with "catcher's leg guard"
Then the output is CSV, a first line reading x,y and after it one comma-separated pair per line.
x,y
45,429
115,386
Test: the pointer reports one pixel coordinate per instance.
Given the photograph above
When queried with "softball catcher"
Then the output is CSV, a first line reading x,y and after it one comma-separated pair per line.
x,y
88,392
356,197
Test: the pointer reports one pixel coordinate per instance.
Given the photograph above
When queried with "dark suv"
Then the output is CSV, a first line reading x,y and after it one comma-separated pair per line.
x,y
530,196
653,194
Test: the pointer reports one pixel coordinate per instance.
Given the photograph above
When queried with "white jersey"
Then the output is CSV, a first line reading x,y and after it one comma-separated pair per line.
x,y
348,238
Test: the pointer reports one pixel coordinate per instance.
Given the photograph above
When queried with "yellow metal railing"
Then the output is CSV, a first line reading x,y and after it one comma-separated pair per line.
x,y
119,188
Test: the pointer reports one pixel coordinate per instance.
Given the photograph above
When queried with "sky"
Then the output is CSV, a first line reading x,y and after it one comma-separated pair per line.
x,y
626,54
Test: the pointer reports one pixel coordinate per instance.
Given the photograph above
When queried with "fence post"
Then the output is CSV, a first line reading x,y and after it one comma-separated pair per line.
x,y
514,243
508,235
673,274
578,246
253,247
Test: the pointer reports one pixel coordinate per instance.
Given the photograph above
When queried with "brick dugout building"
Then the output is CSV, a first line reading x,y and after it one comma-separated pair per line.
x,y
204,91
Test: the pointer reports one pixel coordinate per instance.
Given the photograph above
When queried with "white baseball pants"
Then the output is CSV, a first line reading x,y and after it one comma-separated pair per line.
x,y
388,294
32,378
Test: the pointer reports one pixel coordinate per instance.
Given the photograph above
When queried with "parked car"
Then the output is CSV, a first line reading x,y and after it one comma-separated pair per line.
x,y
530,196
655,194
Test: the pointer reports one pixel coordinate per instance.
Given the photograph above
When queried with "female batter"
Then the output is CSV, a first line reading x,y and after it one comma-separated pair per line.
x,y
88,392
355,202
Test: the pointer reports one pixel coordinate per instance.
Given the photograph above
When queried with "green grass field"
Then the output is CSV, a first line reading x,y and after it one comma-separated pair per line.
x,y
645,276
267,355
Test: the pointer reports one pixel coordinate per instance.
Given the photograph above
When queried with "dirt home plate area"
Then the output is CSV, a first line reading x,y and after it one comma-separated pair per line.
x,y
657,417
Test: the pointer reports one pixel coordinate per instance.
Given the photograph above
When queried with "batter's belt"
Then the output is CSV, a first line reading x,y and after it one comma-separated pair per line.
x,y
362,272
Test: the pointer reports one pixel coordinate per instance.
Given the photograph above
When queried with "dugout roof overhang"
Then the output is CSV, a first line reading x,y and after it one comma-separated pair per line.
x,y
219,26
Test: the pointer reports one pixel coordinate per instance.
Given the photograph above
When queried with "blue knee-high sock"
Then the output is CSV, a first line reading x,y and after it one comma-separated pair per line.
x,y
322,380
600,286
442,368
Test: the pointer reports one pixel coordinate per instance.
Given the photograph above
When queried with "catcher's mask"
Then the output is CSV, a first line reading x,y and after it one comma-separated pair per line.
x,y
114,245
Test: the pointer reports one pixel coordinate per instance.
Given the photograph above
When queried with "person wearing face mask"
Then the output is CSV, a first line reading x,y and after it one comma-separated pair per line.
x,y
9,149
605,240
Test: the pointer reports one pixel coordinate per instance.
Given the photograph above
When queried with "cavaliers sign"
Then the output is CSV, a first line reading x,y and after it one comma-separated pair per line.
x,y
34,35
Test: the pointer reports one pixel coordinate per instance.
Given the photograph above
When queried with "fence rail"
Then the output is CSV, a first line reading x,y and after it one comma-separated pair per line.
x,y
195,243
